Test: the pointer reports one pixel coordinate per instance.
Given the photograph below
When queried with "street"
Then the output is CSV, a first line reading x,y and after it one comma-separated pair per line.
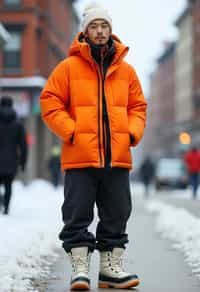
x,y
95,103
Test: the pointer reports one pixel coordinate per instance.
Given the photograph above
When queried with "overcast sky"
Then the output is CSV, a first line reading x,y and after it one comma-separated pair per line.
x,y
143,25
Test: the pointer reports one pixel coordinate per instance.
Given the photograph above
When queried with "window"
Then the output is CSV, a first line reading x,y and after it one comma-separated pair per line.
x,y
12,2
12,53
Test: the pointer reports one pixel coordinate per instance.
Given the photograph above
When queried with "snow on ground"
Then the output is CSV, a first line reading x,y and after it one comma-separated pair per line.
x,y
173,223
181,227
29,235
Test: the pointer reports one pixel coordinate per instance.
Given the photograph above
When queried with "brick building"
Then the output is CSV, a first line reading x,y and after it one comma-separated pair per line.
x,y
188,72
182,112
41,32
195,11
161,105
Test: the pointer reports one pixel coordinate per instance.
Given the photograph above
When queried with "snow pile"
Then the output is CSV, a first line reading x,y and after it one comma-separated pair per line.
x,y
29,235
179,226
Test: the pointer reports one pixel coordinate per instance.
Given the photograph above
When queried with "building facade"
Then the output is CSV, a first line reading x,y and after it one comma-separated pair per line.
x,y
175,88
195,10
41,32
161,105
188,72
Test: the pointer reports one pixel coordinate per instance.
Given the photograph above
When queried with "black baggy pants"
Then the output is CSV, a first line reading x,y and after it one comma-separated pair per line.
x,y
6,181
110,190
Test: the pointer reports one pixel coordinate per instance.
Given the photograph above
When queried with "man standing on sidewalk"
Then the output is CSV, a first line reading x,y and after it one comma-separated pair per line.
x,y
94,102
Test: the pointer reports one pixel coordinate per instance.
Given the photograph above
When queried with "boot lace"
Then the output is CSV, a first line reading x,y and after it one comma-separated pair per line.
x,y
80,264
117,264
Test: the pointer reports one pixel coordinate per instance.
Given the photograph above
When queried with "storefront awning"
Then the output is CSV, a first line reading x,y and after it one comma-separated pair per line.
x,y
35,81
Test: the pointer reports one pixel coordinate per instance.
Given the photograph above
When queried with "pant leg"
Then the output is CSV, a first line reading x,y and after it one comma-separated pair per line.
x,y
146,186
55,179
114,208
8,192
1,195
78,207
195,182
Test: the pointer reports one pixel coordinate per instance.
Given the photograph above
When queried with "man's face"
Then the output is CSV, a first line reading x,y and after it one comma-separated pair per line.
x,y
98,32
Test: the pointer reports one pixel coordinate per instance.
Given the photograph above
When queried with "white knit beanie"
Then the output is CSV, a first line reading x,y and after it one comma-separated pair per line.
x,y
94,11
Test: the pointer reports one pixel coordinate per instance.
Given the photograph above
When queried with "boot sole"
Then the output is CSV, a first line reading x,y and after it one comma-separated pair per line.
x,y
80,286
107,285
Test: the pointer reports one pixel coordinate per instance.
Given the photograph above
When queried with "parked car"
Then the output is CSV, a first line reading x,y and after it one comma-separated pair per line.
x,y
171,173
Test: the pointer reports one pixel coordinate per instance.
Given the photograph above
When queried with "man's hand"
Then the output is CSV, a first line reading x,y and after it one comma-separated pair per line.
x,y
132,139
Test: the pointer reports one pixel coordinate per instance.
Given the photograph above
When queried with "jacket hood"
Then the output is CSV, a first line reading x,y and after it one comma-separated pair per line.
x,y
7,114
80,47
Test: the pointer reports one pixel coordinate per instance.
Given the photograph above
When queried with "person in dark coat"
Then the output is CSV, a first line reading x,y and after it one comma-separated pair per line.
x,y
13,148
147,173
54,166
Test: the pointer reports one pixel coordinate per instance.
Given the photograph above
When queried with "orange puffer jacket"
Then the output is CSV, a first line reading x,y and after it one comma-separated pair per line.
x,y
71,106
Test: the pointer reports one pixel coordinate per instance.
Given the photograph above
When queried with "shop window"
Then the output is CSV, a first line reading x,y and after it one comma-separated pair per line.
x,y
12,53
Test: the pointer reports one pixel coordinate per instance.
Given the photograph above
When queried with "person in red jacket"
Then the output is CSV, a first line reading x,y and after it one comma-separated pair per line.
x,y
94,102
192,161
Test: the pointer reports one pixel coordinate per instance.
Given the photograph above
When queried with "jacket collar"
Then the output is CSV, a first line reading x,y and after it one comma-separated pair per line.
x,y
96,51
81,48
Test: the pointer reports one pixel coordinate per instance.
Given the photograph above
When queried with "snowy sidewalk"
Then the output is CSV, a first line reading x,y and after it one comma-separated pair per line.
x,y
31,257
159,266
175,221
29,235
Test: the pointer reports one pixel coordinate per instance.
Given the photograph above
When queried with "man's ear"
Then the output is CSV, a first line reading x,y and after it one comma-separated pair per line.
x,y
86,33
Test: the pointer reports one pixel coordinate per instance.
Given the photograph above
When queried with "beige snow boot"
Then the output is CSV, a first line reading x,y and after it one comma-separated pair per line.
x,y
80,261
111,273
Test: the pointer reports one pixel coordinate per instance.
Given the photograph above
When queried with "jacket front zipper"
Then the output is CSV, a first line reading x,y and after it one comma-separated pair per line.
x,y
99,119
105,121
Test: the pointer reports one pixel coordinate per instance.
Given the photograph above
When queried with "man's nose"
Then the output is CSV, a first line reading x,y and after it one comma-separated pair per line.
x,y
99,29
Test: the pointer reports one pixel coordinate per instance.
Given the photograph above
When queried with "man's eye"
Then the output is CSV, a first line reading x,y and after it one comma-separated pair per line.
x,y
92,26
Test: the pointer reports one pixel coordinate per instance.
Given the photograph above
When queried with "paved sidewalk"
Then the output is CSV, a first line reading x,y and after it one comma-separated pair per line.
x,y
160,268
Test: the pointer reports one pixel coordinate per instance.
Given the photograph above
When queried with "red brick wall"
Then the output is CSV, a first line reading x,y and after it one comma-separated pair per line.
x,y
167,88
151,139
28,39
45,37
161,107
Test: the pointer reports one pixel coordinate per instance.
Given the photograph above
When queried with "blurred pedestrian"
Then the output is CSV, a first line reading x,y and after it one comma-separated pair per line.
x,y
192,161
94,102
54,166
13,148
147,173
